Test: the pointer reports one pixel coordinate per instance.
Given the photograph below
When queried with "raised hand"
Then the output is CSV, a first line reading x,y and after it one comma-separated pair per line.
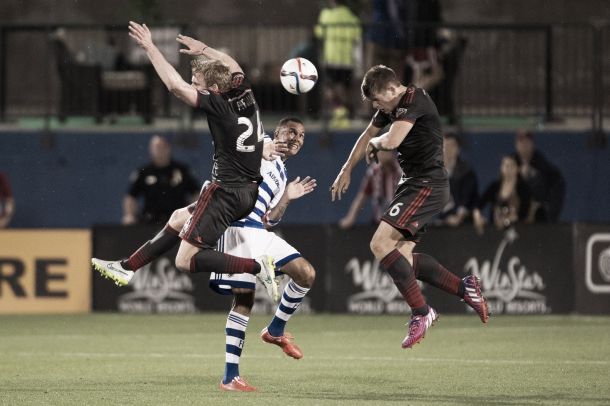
x,y
299,188
141,34
274,149
193,47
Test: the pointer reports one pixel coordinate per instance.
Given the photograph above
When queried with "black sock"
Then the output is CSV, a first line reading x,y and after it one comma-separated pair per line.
x,y
427,269
152,249
397,266
209,260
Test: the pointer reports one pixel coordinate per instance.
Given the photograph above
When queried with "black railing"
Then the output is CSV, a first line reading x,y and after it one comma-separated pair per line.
x,y
547,71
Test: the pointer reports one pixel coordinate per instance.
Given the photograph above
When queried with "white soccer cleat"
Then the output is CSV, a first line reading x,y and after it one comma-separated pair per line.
x,y
267,276
112,270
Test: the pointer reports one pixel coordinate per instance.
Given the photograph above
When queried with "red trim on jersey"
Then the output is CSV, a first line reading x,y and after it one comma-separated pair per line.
x,y
202,203
415,204
410,94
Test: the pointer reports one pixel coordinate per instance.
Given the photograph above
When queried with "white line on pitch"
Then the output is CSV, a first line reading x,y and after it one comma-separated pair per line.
x,y
314,358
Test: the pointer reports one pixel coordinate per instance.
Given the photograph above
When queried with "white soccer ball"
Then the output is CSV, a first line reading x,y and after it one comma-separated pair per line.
x,y
298,75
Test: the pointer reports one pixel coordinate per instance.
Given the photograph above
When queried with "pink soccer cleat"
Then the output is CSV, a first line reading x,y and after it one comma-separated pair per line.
x,y
474,298
418,327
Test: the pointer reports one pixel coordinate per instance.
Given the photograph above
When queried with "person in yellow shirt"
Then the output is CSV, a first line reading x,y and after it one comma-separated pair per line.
x,y
340,32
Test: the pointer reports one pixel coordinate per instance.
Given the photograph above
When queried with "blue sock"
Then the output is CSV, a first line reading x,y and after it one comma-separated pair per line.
x,y
291,300
235,334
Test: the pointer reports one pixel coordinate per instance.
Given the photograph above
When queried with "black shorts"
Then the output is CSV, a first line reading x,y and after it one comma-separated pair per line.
x,y
414,206
217,207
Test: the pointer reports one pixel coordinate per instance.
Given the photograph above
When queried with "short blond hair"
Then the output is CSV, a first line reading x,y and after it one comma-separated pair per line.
x,y
214,72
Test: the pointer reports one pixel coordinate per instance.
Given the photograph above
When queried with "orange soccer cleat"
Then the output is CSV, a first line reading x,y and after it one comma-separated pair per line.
x,y
284,342
237,384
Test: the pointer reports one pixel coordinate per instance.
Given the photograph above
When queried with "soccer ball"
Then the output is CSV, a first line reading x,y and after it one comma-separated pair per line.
x,y
298,75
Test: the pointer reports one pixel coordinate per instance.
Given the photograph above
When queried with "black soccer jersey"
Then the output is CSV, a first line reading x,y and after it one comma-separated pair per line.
x,y
237,133
421,153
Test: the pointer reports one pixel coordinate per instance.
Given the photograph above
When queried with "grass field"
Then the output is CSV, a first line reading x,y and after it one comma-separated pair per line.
x,y
111,359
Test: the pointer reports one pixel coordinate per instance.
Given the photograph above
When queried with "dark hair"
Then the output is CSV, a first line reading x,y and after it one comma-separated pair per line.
x,y
286,120
377,79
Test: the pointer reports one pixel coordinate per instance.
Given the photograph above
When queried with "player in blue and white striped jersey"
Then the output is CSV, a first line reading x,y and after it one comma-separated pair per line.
x,y
269,192
249,236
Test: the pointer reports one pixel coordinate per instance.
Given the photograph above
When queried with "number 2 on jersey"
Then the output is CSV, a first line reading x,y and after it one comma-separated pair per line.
x,y
248,132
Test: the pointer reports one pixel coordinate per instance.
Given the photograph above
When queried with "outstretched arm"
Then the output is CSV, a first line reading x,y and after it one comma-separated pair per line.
x,y
342,181
169,76
197,48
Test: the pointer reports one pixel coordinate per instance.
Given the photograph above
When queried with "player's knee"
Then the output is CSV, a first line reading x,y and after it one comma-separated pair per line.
x,y
243,298
306,275
183,263
376,245
178,218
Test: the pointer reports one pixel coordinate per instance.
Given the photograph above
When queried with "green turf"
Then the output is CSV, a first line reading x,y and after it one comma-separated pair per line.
x,y
110,359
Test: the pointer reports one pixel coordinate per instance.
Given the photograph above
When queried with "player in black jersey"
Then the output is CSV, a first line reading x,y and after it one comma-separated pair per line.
x,y
219,88
415,132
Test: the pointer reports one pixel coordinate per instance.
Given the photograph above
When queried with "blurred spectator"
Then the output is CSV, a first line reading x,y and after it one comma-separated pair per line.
x,y
108,55
450,50
97,49
509,198
386,39
339,29
80,82
544,179
463,184
7,202
378,185
164,185
423,66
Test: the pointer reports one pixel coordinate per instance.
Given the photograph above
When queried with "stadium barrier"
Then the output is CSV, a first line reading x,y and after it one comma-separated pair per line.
x,y
45,271
488,70
531,269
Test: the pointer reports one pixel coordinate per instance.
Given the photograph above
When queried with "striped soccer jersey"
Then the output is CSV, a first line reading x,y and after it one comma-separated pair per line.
x,y
248,237
270,191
